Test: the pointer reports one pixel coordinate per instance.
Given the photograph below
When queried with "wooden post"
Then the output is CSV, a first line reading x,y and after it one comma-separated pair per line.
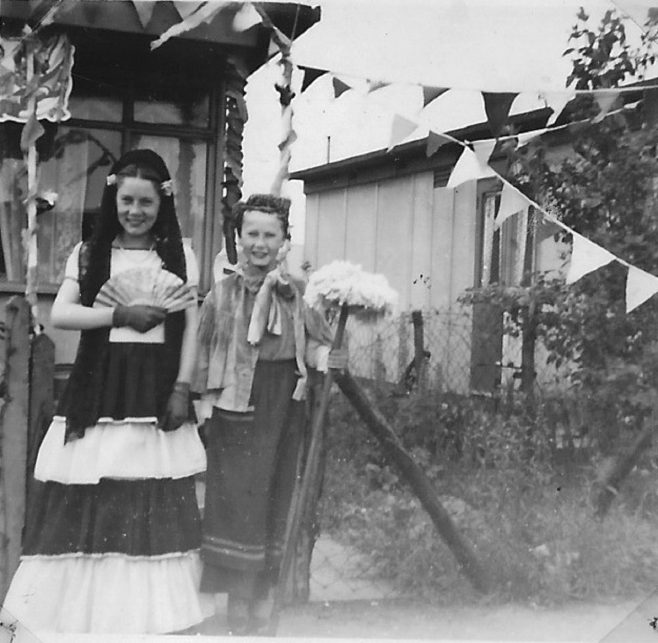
x,y
13,436
421,486
621,466
298,588
41,395
419,348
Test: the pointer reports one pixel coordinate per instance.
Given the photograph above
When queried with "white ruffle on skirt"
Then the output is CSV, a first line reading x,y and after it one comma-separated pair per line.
x,y
109,594
131,449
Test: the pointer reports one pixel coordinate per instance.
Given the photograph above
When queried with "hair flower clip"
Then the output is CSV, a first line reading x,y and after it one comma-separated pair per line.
x,y
167,187
111,179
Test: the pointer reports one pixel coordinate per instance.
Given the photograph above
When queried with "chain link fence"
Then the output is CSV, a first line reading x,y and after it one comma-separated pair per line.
x,y
464,352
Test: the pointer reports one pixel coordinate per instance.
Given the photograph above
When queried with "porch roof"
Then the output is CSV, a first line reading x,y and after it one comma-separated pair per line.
x,y
122,16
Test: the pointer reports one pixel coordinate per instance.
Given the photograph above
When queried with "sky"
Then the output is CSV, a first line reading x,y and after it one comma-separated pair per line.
x,y
467,45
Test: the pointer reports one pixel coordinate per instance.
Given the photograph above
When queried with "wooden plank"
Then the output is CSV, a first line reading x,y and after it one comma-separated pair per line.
x,y
13,435
361,225
331,227
393,242
41,405
421,253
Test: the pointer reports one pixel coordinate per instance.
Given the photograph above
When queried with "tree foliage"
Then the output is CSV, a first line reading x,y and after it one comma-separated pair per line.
x,y
601,180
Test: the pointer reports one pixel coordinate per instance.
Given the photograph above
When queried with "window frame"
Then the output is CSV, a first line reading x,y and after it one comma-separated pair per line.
x,y
129,130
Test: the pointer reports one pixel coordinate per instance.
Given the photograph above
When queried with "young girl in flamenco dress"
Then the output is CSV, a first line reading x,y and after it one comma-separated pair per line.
x,y
256,337
112,542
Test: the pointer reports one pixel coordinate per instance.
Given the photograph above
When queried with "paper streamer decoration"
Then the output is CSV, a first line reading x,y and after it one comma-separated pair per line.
x,y
468,168
640,286
204,14
497,106
340,87
435,142
586,256
400,129
53,83
432,93
511,202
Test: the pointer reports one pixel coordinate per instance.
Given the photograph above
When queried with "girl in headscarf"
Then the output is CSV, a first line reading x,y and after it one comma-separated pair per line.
x,y
255,339
112,539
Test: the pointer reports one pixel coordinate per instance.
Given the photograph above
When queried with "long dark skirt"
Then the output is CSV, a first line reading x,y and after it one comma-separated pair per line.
x,y
252,464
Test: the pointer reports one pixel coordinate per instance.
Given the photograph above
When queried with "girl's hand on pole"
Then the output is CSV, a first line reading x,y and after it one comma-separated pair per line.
x,y
338,358
177,411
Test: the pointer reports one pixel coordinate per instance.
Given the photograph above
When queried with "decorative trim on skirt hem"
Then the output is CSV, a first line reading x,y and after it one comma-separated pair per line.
x,y
109,594
134,449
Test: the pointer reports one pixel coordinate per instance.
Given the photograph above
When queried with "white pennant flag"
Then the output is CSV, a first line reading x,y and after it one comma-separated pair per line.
x,y
511,202
483,150
468,168
640,286
186,7
586,257
605,101
400,129
246,17
557,102
524,138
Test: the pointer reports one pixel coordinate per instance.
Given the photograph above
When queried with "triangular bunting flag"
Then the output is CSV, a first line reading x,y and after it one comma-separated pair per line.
x,y
468,168
246,18
431,93
145,11
374,85
586,256
483,150
511,202
185,7
640,286
340,87
556,101
605,101
400,129
497,105
638,12
525,137
435,142
310,75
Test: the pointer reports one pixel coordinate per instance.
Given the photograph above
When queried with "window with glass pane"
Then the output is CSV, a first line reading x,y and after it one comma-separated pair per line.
x,y
186,160
76,171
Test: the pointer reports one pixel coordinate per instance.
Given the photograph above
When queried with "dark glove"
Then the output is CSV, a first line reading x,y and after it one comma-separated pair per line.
x,y
178,407
141,318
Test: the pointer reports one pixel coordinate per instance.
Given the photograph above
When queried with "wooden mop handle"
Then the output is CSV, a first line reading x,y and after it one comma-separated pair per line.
x,y
300,497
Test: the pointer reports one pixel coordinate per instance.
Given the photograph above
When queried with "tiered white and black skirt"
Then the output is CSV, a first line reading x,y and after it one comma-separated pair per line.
x,y
113,535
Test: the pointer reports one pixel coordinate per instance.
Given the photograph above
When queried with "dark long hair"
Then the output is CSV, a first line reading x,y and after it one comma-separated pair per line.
x,y
81,401
145,164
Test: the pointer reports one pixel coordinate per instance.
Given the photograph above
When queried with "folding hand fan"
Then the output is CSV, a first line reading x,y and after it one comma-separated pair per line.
x,y
150,286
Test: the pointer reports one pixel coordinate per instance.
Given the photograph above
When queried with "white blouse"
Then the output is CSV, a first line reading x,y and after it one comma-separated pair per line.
x,y
129,259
